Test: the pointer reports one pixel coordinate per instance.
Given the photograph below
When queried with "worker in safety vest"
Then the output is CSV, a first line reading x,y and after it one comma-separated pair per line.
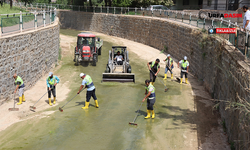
x,y
154,68
169,66
87,81
52,81
184,69
20,86
150,96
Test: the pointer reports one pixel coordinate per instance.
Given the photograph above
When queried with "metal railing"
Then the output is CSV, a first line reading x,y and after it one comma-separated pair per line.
x,y
241,41
19,22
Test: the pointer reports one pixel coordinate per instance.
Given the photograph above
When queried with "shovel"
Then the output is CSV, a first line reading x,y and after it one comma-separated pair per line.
x,y
14,109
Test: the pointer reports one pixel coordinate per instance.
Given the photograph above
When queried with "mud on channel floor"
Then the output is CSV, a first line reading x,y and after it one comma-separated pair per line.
x,y
184,118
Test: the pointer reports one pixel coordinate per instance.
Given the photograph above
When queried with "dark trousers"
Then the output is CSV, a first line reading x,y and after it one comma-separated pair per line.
x,y
152,76
53,91
184,73
119,62
90,94
150,104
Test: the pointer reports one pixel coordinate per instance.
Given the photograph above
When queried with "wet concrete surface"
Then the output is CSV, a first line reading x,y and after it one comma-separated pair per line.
x,y
182,121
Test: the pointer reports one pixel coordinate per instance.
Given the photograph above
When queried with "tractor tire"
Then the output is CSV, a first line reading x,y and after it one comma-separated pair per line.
x,y
107,69
100,51
75,56
94,60
77,60
129,69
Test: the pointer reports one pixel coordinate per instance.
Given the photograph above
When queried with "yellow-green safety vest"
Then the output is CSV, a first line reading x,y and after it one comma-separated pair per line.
x,y
153,63
52,80
184,65
170,61
19,79
152,95
89,81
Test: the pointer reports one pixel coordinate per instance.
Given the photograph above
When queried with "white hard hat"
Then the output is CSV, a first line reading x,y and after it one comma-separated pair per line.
x,y
82,74
185,57
168,55
50,73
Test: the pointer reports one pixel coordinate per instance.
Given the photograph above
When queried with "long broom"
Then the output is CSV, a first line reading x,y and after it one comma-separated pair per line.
x,y
14,109
61,108
166,89
33,107
133,123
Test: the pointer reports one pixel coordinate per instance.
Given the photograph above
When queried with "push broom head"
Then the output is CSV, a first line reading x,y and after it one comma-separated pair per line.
x,y
61,110
166,90
32,107
132,123
13,109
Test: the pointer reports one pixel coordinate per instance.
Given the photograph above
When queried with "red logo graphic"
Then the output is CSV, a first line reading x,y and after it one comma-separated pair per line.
x,y
225,30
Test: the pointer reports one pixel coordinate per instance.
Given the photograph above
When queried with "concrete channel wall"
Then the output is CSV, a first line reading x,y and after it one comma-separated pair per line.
x,y
30,54
221,68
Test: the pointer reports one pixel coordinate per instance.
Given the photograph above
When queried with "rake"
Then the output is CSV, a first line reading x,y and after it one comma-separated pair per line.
x,y
33,107
14,109
133,123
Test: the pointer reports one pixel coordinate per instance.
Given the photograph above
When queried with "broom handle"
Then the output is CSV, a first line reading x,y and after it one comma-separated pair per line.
x,y
138,112
40,98
160,80
14,100
73,98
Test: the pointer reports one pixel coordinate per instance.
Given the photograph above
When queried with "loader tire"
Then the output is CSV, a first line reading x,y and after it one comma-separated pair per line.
x,y
129,69
100,51
94,60
77,60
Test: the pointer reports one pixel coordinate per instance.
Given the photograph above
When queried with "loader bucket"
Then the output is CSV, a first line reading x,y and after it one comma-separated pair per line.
x,y
118,77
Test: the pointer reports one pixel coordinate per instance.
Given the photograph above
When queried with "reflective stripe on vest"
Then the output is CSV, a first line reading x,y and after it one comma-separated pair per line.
x,y
19,79
184,65
170,62
89,81
152,95
52,81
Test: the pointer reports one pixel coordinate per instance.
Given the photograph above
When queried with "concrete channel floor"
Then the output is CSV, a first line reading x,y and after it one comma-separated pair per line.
x,y
184,116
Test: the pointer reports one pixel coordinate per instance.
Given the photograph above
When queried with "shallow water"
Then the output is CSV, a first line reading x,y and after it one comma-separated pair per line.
x,y
107,127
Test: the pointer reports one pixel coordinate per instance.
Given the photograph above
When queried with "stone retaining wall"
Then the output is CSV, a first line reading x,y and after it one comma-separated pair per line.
x,y
221,68
29,54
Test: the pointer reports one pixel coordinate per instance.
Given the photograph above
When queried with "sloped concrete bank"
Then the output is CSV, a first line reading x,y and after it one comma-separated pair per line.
x,y
30,54
222,68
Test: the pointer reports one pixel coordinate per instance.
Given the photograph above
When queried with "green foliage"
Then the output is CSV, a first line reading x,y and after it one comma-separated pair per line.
x,y
232,147
122,3
5,9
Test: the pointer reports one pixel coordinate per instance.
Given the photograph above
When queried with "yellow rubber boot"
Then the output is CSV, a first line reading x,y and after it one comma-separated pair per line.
x,y
186,80
20,101
148,114
165,76
23,98
153,83
153,114
172,76
54,102
181,81
86,105
50,102
96,104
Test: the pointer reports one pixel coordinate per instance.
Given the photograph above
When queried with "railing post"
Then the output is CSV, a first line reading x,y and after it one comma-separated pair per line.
x,y
168,14
212,22
197,22
135,10
182,17
35,21
78,8
108,9
44,23
204,23
175,15
221,22
246,44
86,8
50,16
190,19
160,12
0,27
101,9
114,10
229,23
21,22
121,10
94,9
128,10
